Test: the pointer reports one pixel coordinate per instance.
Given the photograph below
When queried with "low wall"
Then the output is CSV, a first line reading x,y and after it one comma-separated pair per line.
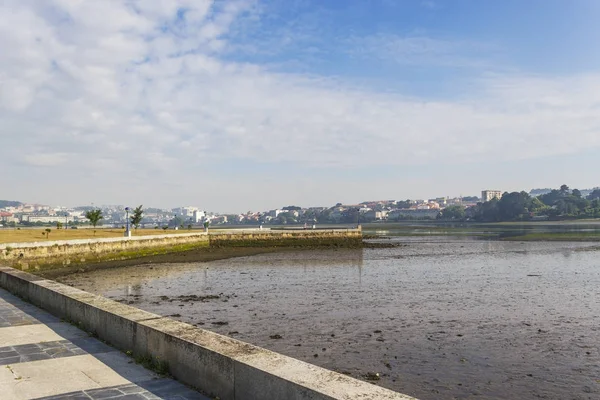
x,y
286,238
56,254
215,364
41,255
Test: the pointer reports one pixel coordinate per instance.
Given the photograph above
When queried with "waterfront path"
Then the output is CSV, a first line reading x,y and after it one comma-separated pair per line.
x,y
44,358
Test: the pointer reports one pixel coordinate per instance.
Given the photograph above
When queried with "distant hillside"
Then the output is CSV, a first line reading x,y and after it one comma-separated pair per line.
x,y
539,192
9,203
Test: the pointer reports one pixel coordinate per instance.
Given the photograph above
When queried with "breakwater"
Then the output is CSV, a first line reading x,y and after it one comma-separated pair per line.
x,y
44,255
288,238
37,256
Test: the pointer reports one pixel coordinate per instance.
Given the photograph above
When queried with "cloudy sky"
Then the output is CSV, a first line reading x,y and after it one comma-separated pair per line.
x,y
248,105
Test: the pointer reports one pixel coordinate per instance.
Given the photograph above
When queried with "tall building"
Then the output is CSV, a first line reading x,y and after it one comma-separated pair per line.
x,y
487,195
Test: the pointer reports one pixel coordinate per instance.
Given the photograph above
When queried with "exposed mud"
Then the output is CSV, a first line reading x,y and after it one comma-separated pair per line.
x,y
206,254
436,318
203,254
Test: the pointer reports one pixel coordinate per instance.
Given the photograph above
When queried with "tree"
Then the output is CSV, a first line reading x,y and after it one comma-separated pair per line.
x,y
325,216
94,216
564,189
513,206
536,205
453,213
594,195
48,230
487,211
403,204
566,207
551,198
176,221
576,193
59,225
136,217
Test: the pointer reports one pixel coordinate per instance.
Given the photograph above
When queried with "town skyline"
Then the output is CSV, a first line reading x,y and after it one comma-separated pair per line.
x,y
241,208
16,212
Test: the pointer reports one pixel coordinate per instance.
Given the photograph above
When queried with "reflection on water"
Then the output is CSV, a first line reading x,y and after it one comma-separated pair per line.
x,y
438,317
482,231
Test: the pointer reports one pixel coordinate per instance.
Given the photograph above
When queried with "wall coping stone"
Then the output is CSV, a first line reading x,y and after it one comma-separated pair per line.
x,y
264,231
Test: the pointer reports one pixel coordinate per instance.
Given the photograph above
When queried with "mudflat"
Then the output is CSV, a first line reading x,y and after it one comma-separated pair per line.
x,y
202,254
436,318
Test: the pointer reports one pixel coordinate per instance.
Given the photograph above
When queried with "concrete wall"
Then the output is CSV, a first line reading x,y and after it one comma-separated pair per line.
x,y
215,364
66,252
269,238
53,254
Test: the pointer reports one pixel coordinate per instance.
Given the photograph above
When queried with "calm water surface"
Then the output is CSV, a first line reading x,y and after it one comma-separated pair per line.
x,y
438,317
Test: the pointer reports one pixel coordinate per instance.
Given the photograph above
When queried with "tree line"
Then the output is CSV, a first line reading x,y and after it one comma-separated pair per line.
x,y
562,203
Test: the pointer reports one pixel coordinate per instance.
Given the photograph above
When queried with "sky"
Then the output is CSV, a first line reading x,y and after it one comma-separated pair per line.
x,y
237,105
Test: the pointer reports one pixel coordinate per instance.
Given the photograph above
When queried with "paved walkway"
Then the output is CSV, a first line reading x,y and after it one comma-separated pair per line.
x,y
44,358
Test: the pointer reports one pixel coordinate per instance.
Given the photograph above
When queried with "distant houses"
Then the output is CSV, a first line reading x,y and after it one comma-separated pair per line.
x,y
368,211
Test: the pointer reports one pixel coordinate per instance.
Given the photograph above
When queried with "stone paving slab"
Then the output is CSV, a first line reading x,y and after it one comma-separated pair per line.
x,y
41,351
27,334
157,389
44,358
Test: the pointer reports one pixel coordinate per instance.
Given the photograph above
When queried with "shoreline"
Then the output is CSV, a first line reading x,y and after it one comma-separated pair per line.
x,y
205,254
403,313
81,255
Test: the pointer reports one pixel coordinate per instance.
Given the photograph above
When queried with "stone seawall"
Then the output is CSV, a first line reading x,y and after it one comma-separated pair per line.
x,y
42,255
289,238
70,253
218,365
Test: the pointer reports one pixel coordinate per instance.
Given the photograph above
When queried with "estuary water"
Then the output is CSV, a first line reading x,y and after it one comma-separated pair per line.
x,y
437,317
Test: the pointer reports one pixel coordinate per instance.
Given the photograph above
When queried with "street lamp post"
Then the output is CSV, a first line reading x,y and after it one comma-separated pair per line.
x,y
127,231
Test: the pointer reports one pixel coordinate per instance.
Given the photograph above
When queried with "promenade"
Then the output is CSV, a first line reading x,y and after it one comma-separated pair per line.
x,y
44,358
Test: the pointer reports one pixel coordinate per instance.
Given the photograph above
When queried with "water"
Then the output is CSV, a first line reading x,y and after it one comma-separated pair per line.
x,y
438,317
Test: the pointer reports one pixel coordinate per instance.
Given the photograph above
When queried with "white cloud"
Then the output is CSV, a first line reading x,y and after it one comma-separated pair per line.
x,y
138,89
45,159
422,50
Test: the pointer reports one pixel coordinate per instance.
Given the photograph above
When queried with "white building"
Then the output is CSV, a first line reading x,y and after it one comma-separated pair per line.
x,y
487,195
187,213
198,216
46,218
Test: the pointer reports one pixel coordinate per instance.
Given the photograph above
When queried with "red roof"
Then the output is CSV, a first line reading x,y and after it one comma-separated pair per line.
x,y
5,214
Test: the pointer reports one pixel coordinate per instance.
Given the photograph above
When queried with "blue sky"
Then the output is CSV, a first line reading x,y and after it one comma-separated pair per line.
x,y
247,105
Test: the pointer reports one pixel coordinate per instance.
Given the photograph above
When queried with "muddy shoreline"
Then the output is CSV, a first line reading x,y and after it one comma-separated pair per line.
x,y
438,319
196,255
202,254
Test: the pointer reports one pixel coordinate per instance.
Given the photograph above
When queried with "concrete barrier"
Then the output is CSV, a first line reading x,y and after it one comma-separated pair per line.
x,y
285,238
53,254
132,239
62,253
215,364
